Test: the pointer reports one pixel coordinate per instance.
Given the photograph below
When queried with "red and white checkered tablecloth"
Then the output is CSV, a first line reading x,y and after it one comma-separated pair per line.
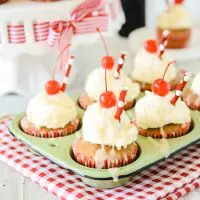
x,y
170,179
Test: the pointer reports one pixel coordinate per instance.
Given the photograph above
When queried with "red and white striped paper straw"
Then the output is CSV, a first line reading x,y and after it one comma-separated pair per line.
x,y
120,104
180,87
120,65
67,73
163,43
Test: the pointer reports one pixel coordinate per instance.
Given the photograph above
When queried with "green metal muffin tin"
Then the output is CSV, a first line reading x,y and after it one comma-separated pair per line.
x,y
59,151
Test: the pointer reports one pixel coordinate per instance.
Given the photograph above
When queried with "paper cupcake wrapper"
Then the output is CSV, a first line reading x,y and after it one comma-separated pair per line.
x,y
69,129
173,132
89,162
177,39
191,100
84,101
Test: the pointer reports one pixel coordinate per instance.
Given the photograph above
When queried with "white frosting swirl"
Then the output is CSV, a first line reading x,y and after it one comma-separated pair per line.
x,y
95,84
153,111
100,127
195,87
176,18
51,111
148,67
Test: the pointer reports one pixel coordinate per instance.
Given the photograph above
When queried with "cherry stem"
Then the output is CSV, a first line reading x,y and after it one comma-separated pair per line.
x,y
106,48
167,3
103,40
58,59
169,64
106,81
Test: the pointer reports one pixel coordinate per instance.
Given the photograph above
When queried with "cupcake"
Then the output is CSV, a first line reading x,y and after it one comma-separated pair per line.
x,y
150,63
95,86
51,113
116,79
178,21
108,136
192,95
156,117
161,113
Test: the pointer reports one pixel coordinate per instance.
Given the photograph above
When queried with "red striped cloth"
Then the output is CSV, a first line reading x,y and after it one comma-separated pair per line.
x,y
168,180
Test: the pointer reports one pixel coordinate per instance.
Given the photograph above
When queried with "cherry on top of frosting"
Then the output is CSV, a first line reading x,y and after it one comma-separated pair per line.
x,y
108,99
151,46
160,86
52,87
108,62
178,1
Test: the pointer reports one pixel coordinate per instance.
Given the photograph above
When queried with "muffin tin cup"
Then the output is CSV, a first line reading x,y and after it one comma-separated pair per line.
x,y
59,150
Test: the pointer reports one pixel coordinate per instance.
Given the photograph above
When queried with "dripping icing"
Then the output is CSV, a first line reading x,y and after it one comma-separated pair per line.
x,y
114,172
162,144
100,157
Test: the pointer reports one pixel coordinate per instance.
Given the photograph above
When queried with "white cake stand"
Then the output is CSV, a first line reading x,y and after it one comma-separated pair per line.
x,y
21,69
20,65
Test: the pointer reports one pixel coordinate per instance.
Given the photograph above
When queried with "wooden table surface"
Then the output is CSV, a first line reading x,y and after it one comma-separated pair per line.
x,y
14,186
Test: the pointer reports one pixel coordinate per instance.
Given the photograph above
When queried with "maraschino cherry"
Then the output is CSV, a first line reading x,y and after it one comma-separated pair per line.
x,y
107,61
151,46
107,99
160,86
178,1
52,87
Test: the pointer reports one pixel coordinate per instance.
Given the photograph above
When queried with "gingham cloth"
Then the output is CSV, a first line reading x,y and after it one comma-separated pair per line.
x,y
169,180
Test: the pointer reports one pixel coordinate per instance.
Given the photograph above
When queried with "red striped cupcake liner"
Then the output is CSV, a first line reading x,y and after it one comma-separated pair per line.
x,y
84,101
89,161
69,129
192,100
170,131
